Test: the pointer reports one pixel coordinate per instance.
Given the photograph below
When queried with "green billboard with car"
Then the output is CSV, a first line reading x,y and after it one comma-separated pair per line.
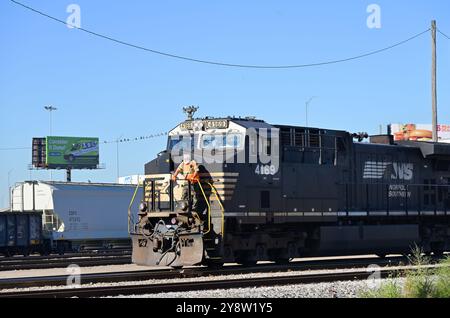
x,y
72,152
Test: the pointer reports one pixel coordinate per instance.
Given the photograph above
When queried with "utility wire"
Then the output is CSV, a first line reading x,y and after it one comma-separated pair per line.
x,y
16,148
120,140
443,34
222,63
140,138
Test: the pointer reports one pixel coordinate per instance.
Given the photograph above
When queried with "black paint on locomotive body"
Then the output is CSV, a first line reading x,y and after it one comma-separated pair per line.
x,y
324,194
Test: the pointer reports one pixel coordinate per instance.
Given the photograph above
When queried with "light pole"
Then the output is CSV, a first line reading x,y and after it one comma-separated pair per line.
x,y
9,182
306,109
9,177
50,109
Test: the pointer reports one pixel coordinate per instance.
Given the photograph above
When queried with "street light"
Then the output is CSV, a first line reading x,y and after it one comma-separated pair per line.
x,y
50,109
9,183
9,177
306,109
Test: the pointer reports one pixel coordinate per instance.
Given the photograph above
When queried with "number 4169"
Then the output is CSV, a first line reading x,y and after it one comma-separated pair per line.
x,y
266,170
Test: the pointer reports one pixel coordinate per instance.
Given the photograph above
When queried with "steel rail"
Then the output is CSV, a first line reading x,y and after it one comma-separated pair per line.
x,y
198,272
267,281
61,263
116,252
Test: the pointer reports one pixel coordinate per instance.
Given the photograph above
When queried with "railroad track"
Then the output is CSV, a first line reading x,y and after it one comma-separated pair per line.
x,y
143,289
58,261
198,272
113,252
82,262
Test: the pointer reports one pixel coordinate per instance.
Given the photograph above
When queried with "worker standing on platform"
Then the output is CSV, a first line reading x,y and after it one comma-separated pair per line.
x,y
190,170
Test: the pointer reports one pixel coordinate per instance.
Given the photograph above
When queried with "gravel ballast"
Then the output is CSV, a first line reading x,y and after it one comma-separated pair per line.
x,y
344,289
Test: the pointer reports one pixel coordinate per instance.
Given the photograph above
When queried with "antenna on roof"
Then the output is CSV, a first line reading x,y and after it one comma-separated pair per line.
x,y
190,111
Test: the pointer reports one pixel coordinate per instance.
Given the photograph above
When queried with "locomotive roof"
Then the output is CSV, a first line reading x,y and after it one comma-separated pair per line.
x,y
253,122
428,149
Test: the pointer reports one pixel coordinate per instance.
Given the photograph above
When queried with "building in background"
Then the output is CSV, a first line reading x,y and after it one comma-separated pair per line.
x,y
419,132
133,179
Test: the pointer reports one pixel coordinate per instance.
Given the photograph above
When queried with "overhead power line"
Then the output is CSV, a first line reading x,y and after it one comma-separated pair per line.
x,y
180,57
443,34
120,140
140,138
15,148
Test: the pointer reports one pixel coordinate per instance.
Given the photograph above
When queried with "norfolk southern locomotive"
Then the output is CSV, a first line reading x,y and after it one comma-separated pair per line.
x,y
328,194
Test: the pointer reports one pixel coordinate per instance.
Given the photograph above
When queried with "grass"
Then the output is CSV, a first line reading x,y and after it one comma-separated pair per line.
x,y
418,283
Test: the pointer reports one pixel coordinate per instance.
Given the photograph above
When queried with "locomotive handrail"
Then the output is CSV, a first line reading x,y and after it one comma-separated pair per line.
x,y
204,196
209,209
130,217
213,188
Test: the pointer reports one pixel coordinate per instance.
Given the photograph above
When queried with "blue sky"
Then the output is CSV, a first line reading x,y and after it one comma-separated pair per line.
x,y
107,90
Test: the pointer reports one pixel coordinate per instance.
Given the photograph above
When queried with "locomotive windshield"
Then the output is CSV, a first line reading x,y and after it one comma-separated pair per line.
x,y
205,141
221,141
181,142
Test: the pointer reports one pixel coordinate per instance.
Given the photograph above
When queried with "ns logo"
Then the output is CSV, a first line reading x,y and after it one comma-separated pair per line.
x,y
402,171
383,169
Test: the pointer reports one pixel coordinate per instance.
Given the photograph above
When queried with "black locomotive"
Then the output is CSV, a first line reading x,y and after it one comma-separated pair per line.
x,y
274,192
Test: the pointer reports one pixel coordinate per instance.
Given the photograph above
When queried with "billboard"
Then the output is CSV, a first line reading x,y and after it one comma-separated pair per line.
x,y
39,156
72,152
419,132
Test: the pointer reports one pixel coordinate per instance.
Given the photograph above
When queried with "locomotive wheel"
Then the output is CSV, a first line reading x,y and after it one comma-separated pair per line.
x,y
215,265
438,249
61,248
177,267
246,262
438,253
282,261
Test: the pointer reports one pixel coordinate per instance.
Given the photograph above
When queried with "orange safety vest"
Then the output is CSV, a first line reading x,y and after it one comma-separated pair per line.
x,y
189,170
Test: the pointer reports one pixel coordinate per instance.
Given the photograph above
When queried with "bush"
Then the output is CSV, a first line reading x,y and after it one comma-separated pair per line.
x,y
389,289
422,282
442,284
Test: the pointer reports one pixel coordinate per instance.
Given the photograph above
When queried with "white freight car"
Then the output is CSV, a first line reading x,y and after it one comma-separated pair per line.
x,y
78,215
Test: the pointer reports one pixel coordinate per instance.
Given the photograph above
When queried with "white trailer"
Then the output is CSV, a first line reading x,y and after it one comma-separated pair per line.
x,y
78,215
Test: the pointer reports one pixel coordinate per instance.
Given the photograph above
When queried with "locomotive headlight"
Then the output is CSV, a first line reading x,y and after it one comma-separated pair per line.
x,y
174,221
143,207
